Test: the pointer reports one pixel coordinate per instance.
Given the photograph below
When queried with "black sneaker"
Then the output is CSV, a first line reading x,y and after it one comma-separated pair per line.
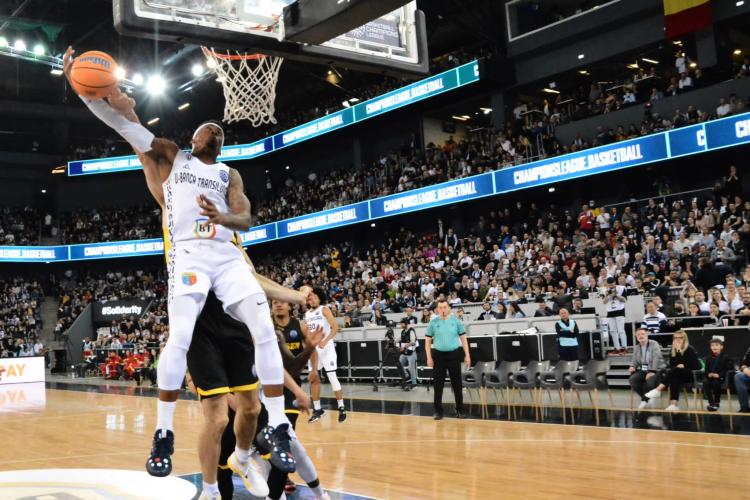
x,y
277,442
342,414
316,415
460,414
159,464
438,416
745,409
712,408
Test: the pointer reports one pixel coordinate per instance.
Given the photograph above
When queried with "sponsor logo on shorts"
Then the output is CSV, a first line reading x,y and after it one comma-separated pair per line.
x,y
224,176
189,279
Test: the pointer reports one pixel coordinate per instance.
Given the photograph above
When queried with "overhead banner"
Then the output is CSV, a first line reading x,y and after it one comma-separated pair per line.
x,y
33,254
135,248
709,136
583,163
103,313
469,188
328,219
423,89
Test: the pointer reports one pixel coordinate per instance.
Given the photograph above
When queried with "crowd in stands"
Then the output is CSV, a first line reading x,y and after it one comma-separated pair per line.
x,y
519,253
20,320
643,86
96,224
19,226
131,343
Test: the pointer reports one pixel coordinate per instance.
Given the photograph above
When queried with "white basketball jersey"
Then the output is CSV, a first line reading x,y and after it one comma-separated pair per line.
x,y
190,178
314,318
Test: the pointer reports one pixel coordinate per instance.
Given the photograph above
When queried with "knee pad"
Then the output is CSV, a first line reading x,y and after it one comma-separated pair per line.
x,y
334,380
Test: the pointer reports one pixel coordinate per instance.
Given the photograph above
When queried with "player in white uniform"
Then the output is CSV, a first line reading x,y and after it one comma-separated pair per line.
x,y
203,203
324,358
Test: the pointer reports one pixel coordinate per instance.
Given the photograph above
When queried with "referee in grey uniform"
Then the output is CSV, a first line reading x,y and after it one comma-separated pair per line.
x,y
446,346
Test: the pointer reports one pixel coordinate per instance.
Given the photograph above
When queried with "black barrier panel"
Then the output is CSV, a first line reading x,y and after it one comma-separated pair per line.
x,y
736,340
549,346
481,349
364,353
514,347
342,354
363,373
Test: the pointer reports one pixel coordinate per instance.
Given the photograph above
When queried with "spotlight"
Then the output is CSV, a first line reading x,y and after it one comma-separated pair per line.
x,y
581,56
153,121
197,69
120,72
287,167
138,79
44,191
551,190
372,224
19,45
156,85
39,49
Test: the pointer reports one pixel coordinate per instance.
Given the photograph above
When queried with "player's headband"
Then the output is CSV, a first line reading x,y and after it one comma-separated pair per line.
x,y
215,124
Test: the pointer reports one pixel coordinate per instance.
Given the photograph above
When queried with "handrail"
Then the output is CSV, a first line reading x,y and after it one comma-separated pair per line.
x,y
662,197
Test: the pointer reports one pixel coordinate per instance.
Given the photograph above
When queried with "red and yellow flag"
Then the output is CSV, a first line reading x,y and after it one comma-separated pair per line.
x,y
686,16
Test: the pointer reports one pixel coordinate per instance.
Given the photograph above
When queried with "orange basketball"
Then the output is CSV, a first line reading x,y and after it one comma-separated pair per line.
x,y
93,74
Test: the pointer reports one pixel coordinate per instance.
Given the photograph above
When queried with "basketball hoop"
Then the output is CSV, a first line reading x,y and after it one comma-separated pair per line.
x,y
249,84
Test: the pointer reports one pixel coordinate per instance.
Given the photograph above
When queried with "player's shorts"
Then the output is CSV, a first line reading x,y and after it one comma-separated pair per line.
x,y
221,355
327,358
195,267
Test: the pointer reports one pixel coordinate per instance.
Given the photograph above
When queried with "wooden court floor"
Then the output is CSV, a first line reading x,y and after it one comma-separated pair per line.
x,y
403,457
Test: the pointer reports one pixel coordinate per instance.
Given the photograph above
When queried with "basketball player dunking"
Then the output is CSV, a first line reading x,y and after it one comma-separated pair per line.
x,y
319,315
203,203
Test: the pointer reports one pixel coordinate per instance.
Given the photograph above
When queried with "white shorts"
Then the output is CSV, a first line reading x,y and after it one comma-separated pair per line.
x,y
327,358
196,267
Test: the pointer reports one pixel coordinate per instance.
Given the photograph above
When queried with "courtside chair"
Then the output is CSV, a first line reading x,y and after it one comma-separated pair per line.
x,y
556,378
502,378
591,378
528,378
473,378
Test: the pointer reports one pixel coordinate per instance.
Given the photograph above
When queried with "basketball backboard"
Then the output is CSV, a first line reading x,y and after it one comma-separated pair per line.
x,y
395,43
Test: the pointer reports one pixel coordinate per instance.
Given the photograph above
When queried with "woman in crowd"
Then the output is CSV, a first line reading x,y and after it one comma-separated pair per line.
x,y
514,311
682,361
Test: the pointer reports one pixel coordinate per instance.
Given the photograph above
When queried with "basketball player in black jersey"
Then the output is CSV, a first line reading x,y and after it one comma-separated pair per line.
x,y
293,334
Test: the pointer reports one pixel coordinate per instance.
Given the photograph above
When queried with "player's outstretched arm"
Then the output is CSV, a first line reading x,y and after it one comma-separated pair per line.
x,y
118,112
273,290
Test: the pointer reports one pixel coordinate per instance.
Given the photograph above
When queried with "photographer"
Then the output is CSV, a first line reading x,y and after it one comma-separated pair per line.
x,y
408,347
614,298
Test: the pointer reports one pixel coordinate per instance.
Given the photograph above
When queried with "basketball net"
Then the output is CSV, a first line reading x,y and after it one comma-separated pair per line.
x,y
249,84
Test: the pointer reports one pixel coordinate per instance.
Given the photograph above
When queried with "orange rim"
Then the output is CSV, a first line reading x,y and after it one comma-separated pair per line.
x,y
231,57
